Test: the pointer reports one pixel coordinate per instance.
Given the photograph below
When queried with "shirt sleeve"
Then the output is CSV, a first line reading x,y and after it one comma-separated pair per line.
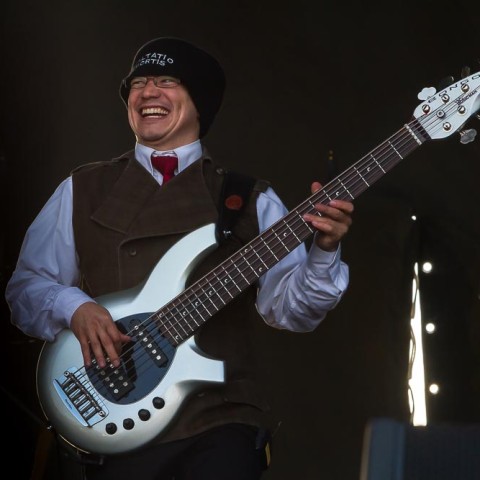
x,y
298,292
43,292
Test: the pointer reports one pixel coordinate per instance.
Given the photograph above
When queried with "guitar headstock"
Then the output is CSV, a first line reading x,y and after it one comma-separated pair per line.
x,y
445,112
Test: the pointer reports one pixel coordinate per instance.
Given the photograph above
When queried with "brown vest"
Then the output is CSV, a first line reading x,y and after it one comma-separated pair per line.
x,y
124,222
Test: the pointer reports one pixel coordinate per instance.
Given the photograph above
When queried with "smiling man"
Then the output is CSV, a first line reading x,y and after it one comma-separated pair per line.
x,y
100,235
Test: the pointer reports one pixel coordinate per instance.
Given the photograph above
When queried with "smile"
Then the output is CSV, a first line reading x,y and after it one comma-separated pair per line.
x,y
154,111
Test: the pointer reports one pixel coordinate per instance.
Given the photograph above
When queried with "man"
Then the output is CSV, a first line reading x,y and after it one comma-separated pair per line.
x,y
109,224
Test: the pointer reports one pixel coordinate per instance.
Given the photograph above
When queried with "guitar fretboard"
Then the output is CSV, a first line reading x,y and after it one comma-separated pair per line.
x,y
181,317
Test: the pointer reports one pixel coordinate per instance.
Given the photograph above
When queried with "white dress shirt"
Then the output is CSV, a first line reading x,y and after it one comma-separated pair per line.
x,y
43,291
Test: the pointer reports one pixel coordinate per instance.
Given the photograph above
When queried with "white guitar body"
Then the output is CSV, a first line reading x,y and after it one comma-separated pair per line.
x,y
190,369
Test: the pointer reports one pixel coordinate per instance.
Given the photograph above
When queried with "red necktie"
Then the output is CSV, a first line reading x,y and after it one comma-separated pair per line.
x,y
166,165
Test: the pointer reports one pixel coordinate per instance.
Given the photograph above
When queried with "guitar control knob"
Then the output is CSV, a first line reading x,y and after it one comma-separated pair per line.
x,y
111,428
143,414
158,403
128,424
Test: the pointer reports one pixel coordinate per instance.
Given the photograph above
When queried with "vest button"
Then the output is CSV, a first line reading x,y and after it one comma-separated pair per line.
x,y
132,252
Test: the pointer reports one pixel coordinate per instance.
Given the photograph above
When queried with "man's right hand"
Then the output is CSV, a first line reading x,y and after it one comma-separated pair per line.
x,y
97,333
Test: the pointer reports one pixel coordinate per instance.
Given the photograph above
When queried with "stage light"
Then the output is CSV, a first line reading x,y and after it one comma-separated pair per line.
x,y
434,389
430,327
427,267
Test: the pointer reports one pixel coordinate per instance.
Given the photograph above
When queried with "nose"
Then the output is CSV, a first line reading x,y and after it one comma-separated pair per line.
x,y
150,89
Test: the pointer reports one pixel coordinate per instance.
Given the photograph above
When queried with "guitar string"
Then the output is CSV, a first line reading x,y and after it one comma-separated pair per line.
x,y
374,154
176,307
209,282
434,119
370,165
255,254
389,148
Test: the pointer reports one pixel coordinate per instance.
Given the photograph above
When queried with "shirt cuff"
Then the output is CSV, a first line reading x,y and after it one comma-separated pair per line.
x,y
318,257
68,301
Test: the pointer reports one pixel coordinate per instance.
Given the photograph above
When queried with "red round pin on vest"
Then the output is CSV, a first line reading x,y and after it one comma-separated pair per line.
x,y
234,202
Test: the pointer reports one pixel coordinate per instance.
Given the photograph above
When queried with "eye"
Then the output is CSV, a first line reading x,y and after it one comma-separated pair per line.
x,y
138,82
168,82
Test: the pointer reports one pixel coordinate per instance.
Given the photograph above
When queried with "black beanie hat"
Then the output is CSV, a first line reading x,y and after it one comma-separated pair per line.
x,y
201,73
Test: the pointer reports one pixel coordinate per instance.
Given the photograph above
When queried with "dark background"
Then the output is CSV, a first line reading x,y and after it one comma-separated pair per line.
x,y
312,87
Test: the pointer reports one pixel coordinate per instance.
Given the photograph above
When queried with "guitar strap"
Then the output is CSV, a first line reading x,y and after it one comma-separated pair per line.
x,y
235,194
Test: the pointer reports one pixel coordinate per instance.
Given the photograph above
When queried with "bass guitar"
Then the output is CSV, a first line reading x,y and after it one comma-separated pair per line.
x,y
116,410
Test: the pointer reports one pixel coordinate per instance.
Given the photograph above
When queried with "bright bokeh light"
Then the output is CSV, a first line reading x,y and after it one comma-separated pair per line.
x,y
430,327
427,267
434,388
417,378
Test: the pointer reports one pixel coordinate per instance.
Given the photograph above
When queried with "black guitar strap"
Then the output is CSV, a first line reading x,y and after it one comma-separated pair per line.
x,y
236,191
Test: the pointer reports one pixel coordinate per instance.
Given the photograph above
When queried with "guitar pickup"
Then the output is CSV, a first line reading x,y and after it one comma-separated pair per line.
x,y
147,342
115,380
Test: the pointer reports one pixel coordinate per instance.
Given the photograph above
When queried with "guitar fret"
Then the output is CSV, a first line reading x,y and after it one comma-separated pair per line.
x,y
271,258
282,246
345,189
292,231
377,164
262,264
395,150
183,314
231,282
215,292
165,324
177,336
243,276
169,321
228,281
207,298
309,229
196,306
279,253
252,270
361,176
179,314
270,250
209,295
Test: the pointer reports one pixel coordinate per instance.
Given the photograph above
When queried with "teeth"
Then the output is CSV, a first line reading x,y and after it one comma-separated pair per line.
x,y
154,111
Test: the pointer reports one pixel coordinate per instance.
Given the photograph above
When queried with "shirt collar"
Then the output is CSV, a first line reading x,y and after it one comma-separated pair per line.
x,y
186,154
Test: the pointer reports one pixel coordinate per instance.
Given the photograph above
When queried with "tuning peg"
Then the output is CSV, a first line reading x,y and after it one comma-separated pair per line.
x,y
467,136
466,71
445,82
427,92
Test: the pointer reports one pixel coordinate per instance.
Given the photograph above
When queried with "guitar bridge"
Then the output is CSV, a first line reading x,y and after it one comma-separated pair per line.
x,y
78,395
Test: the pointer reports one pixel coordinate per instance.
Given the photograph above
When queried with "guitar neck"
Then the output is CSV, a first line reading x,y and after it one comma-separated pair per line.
x,y
180,318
